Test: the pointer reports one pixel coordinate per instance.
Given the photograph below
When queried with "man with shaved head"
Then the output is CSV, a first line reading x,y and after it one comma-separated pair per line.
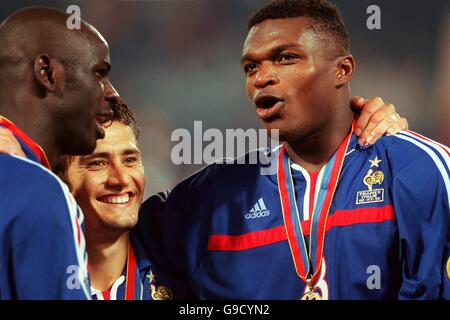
x,y
54,96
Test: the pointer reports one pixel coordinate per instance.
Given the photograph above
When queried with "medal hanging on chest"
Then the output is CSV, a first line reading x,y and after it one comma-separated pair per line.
x,y
308,262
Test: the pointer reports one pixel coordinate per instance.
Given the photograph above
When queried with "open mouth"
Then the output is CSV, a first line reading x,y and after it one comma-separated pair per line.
x,y
268,106
116,199
266,101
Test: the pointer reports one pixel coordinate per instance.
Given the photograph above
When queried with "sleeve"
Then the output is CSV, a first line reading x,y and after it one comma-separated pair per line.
x,y
48,257
421,201
173,229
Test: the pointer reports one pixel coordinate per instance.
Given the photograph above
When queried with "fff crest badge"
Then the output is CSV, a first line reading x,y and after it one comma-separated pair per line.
x,y
372,178
158,292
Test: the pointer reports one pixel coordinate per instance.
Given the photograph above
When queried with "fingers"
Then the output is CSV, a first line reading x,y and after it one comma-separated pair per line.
x,y
388,125
378,123
384,121
357,103
9,144
397,125
368,110
377,119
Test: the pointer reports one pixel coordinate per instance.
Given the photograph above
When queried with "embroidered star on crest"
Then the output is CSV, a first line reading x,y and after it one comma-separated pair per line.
x,y
374,162
151,276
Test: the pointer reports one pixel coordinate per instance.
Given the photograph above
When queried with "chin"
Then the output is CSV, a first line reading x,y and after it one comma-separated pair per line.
x,y
121,226
279,125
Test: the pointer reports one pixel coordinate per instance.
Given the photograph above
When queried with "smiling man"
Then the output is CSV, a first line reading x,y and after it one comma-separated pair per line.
x,y
108,185
337,221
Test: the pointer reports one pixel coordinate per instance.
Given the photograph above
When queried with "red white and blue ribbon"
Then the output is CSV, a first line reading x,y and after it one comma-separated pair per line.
x,y
308,262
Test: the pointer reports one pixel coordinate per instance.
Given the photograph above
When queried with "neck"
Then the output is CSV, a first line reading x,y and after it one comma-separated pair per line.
x,y
314,151
34,124
107,260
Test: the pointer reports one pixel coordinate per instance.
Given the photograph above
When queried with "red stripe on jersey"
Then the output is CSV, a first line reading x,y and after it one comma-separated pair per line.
x,y
35,148
106,295
78,230
248,240
340,218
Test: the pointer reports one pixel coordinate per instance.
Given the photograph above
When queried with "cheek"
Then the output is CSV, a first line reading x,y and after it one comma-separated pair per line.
x,y
249,88
139,180
101,91
83,188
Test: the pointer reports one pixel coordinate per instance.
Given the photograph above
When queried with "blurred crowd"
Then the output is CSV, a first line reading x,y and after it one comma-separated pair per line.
x,y
178,61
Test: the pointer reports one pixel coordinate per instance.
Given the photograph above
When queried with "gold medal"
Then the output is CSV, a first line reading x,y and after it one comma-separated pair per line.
x,y
311,295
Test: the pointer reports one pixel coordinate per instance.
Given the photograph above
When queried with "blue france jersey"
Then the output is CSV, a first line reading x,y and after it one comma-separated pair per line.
x,y
42,247
152,284
222,232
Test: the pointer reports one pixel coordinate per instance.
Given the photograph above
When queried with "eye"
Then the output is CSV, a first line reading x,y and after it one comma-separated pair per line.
x,y
96,164
101,73
131,160
286,58
250,67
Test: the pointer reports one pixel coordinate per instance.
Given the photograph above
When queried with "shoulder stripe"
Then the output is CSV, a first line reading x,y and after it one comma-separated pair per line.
x,y
445,148
442,151
425,146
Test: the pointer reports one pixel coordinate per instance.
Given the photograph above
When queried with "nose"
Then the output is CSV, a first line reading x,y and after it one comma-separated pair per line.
x,y
111,96
118,178
265,77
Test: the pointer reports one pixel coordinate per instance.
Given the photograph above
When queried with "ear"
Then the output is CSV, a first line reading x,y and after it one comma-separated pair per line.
x,y
47,72
345,67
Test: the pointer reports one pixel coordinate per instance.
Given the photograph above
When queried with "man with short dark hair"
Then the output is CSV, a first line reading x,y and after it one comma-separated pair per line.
x,y
336,221
108,185
54,95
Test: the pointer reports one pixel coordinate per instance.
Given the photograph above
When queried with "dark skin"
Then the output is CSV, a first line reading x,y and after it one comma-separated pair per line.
x,y
299,86
54,83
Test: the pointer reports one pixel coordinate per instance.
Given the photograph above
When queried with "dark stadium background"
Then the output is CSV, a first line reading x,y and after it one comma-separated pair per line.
x,y
178,61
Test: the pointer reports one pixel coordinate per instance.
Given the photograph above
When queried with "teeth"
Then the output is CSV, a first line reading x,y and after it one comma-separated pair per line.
x,y
116,199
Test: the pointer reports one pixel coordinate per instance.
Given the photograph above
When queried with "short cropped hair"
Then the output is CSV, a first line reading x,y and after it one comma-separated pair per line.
x,y
121,113
325,16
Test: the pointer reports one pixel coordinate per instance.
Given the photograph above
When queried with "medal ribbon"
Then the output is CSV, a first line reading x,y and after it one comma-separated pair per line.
x,y
35,148
308,266
133,287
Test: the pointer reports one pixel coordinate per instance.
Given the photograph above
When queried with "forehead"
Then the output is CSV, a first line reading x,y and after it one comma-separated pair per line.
x,y
276,32
118,137
91,46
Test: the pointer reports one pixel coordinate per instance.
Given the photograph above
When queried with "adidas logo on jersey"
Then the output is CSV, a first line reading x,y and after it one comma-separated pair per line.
x,y
259,210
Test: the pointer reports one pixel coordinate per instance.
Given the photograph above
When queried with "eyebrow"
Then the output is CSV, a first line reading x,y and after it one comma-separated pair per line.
x,y
275,51
128,151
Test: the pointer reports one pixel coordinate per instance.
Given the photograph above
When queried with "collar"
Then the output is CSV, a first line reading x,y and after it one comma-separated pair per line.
x,y
32,150
142,261
113,291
